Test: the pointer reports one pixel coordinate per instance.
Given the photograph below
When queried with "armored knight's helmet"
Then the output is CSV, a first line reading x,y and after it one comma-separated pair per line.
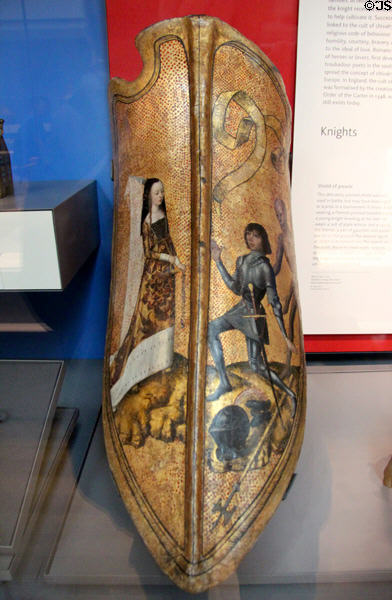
x,y
230,429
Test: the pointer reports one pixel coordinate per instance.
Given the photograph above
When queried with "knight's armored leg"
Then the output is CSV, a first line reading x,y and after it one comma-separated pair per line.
x,y
257,365
254,356
215,328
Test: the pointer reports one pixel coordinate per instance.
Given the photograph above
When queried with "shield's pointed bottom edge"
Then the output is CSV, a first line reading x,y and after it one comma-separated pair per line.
x,y
209,571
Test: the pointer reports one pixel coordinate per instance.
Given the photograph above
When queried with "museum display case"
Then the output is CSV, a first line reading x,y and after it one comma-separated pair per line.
x,y
64,530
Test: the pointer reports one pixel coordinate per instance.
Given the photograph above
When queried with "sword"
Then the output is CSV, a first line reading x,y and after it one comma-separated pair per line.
x,y
223,508
265,356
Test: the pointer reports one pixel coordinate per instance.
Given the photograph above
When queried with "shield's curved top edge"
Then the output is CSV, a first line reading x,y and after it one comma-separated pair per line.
x,y
174,25
179,28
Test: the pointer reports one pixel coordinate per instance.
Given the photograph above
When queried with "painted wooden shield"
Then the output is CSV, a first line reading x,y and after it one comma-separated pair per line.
x,y
204,399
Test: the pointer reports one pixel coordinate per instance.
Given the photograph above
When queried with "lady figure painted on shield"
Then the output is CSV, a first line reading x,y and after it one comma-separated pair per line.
x,y
155,305
252,280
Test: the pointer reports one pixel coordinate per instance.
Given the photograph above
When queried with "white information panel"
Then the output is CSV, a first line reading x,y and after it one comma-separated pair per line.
x,y
342,168
28,253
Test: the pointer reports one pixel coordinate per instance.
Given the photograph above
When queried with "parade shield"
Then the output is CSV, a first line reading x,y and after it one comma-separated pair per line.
x,y
204,380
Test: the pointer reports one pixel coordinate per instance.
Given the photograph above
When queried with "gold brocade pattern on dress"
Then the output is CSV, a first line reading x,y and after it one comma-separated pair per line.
x,y
156,300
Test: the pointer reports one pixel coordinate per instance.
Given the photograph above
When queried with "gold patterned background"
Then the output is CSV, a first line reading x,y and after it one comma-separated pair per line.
x,y
154,141
252,201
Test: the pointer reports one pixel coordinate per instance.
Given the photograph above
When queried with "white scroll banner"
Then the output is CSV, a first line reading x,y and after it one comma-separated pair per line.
x,y
153,354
